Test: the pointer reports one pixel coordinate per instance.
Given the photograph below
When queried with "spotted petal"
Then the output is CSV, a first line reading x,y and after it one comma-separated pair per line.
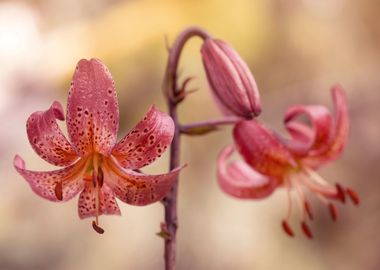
x,y
44,183
261,149
46,137
92,109
136,188
239,180
146,141
321,127
87,205
340,131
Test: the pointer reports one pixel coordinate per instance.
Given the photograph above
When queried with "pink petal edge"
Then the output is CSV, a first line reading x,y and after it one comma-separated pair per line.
x,y
340,131
46,137
44,183
301,138
321,126
146,141
92,109
239,180
137,188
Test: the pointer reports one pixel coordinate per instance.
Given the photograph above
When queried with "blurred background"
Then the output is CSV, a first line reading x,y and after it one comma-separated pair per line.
x,y
296,49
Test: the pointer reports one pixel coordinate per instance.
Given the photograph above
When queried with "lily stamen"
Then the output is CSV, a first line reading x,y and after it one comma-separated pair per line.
x,y
326,190
308,209
313,175
332,208
58,191
306,230
285,224
100,177
287,228
97,228
288,190
300,202
341,194
333,212
353,196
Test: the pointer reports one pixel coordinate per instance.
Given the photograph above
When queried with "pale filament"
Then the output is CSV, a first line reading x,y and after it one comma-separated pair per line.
x,y
312,181
318,195
315,176
288,189
95,182
301,197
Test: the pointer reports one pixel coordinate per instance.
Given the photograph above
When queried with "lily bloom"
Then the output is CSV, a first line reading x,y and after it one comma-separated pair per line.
x,y
271,161
230,79
94,165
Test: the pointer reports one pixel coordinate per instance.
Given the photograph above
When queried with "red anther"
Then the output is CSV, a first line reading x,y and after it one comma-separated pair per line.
x,y
353,196
100,177
58,191
94,179
306,230
97,228
333,212
308,210
340,193
287,229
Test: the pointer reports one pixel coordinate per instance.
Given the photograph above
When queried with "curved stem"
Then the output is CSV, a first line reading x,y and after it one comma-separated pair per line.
x,y
170,87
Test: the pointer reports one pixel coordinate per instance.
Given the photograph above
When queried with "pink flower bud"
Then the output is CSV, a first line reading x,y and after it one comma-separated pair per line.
x,y
230,79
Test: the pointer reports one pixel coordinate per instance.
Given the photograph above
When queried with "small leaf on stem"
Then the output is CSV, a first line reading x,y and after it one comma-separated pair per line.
x,y
195,131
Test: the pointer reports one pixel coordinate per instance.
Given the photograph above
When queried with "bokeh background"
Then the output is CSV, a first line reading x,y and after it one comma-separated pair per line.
x,y
296,49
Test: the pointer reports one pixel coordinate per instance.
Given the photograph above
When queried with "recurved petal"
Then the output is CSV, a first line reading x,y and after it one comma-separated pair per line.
x,y
341,122
301,138
321,127
137,188
87,204
92,109
146,141
44,183
340,130
46,137
261,149
239,180
299,131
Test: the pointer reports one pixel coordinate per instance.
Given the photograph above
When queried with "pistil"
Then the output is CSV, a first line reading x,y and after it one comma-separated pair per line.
x,y
97,181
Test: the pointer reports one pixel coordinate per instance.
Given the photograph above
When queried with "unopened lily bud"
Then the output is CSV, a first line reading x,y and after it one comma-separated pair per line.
x,y
230,79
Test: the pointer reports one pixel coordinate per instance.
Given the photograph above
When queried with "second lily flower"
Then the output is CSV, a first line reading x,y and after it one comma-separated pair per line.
x,y
271,161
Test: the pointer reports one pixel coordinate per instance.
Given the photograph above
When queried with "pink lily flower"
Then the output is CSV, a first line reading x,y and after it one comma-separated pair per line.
x,y
94,165
271,161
